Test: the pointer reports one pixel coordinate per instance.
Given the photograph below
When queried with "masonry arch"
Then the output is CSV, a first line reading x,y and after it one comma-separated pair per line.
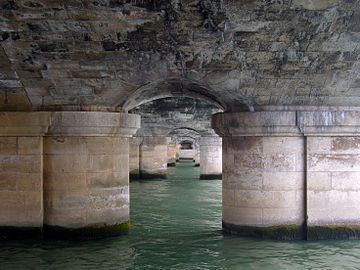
x,y
172,87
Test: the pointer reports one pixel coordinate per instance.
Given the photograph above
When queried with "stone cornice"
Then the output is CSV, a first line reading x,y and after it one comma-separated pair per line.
x,y
288,123
329,123
68,124
24,123
264,123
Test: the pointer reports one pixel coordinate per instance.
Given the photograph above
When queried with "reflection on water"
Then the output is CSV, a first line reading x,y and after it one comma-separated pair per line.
x,y
177,225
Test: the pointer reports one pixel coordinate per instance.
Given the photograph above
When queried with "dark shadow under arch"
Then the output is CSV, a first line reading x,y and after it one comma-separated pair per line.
x,y
172,87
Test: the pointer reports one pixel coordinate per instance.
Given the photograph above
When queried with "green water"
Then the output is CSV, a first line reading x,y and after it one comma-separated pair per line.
x,y
177,225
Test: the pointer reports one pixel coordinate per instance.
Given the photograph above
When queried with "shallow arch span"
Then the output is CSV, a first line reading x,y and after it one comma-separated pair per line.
x,y
184,130
173,87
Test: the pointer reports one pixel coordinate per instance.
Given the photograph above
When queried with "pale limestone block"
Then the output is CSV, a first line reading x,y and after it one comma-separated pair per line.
x,y
242,215
345,145
333,162
319,181
300,162
8,145
334,216
100,145
30,146
281,216
346,181
228,197
282,199
65,145
121,164
244,180
316,145
19,163
255,198
338,145
333,198
278,181
62,181
65,163
283,145
279,162
248,161
71,218
8,181
106,179
100,163
65,199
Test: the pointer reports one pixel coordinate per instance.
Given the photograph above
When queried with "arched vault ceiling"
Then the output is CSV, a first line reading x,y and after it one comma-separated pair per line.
x,y
180,115
95,54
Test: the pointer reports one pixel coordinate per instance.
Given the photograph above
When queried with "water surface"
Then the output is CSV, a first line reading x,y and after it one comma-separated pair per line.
x,y
177,225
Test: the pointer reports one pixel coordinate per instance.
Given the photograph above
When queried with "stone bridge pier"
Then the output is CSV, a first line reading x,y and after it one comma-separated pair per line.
x,y
291,174
153,157
65,174
210,157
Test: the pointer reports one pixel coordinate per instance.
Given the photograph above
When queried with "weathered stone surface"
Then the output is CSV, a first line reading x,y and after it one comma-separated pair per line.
x,y
237,54
210,157
83,187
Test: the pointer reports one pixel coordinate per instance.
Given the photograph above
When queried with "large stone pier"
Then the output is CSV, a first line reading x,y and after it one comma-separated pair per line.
x,y
65,174
291,174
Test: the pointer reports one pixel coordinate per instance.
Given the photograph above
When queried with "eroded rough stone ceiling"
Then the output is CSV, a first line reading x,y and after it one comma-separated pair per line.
x,y
116,54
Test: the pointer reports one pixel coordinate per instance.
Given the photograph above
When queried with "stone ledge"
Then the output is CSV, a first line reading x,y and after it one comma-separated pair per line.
x,y
93,124
264,123
68,124
329,123
24,123
288,123
279,232
87,233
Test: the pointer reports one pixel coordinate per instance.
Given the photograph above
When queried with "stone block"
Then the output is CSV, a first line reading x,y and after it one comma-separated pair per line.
x,y
333,162
228,197
279,162
345,181
318,181
107,179
275,199
8,145
100,163
281,216
30,146
65,181
242,216
20,164
343,216
244,180
58,145
283,145
65,163
283,181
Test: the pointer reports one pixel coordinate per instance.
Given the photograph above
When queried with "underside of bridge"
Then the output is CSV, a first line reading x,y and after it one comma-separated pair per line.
x,y
283,78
